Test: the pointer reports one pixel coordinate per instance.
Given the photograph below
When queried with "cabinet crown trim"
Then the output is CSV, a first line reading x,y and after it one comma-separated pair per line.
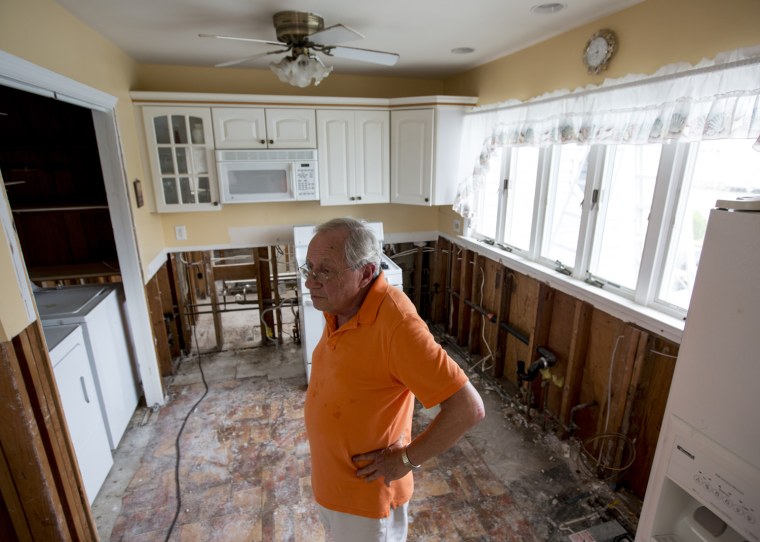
x,y
262,100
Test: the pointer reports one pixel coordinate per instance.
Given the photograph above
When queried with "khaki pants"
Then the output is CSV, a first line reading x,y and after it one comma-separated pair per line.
x,y
342,527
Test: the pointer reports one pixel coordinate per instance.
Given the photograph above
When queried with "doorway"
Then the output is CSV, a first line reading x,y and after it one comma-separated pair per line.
x,y
30,78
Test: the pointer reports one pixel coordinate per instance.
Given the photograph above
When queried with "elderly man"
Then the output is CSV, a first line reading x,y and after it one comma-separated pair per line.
x,y
375,356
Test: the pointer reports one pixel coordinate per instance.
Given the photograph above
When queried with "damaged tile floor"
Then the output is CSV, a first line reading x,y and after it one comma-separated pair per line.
x,y
244,466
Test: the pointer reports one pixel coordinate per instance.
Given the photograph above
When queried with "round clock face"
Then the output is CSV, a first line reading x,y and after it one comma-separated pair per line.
x,y
599,51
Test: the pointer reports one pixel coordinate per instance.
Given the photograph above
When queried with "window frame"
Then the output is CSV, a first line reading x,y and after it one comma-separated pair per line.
x,y
672,181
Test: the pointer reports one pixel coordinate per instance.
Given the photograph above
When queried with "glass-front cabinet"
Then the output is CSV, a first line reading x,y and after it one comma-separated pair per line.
x,y
181,150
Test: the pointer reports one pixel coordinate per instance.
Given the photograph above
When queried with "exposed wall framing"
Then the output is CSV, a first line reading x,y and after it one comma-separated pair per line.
x,y
195,283
611,379
43,496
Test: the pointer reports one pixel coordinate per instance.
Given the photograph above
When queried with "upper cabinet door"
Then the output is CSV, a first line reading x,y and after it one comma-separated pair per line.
x,y
239,127
181,151
425,167
291,128
336,152
260,128
412,156
354,157
373,161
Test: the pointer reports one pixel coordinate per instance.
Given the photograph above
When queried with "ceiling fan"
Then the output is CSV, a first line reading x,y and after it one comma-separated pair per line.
x,y
301,34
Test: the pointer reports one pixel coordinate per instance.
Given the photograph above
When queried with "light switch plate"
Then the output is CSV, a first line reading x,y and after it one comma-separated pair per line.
x,y
180,232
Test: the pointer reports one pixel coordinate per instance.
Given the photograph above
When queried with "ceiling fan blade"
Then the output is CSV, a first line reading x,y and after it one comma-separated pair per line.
x,y
364,55
337,33
241,39
246,59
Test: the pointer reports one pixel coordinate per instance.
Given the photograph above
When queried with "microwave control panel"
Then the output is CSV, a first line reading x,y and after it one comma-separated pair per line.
x,y
306,186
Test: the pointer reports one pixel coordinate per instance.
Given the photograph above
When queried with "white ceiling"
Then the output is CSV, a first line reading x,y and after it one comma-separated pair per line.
x,y
422,32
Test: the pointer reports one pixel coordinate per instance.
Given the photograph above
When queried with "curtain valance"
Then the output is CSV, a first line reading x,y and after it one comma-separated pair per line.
x,y
715,99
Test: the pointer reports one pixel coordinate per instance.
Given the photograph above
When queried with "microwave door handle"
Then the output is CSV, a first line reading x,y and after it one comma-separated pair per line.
x,y
293,183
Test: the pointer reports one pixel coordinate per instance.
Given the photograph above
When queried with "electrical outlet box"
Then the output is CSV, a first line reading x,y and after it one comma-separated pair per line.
x,y
457,226
180,232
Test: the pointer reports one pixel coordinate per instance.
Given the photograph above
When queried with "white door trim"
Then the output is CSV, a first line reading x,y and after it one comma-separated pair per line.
x,y
18,73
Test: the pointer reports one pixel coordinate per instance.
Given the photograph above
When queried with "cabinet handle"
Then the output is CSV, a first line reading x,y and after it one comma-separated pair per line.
x,y
84,390
351,198
358,197
427,199
271,141
263,141
216,203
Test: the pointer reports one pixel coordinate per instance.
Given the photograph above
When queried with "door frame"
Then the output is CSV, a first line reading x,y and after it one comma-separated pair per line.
x,y
23,75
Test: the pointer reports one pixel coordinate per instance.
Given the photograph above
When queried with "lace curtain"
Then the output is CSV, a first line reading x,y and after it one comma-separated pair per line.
x,y
716,99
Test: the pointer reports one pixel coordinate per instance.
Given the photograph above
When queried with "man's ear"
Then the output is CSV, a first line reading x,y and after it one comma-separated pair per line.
x,y
368,273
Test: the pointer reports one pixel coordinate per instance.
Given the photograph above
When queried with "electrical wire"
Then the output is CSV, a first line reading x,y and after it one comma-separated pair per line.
x,y
482,361
609,383
179,435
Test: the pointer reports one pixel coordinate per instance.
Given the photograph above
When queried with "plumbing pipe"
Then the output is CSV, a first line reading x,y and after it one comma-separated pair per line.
x,y
547,359
503,325
572,427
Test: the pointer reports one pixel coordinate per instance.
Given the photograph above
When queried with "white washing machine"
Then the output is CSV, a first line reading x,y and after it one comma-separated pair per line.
x,y
311,320
98,310
79,399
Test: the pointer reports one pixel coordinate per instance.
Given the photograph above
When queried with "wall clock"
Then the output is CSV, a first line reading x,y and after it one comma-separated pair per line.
x,y
599,51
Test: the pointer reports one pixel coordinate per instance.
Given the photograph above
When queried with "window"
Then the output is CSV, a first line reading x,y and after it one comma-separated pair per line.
x,y
719,169
566,187
597,212
488,199
521,194
623,205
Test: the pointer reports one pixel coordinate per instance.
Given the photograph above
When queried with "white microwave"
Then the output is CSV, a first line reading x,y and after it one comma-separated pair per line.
x,y
254,176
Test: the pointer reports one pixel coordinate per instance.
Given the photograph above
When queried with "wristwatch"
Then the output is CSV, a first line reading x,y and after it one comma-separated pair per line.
x,y
405,460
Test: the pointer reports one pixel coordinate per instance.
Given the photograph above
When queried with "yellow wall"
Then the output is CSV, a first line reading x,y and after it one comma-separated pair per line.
x,y
653,33
247,81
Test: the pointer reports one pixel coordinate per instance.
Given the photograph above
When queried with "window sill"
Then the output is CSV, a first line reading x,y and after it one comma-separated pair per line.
x,y
666,326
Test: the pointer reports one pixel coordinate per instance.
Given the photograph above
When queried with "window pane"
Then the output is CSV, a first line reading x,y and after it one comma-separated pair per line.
x,y
196,130
186,190
204,190
179,129
166,163
487,199
724,169
170,190
625,202
181,160
161,126
521,194
563,207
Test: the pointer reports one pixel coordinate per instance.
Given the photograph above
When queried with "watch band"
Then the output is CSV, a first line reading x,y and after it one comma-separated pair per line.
x,y
405,460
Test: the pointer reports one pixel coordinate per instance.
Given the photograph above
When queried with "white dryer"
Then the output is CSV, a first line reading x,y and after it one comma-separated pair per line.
x,y
98,310
79,399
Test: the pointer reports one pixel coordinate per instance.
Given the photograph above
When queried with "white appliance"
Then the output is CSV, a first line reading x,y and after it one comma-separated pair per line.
x,y
255,176
311,320
98,310
705,480
76,387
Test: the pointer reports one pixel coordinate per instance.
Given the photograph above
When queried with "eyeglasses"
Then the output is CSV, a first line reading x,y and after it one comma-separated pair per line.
x,y
320,276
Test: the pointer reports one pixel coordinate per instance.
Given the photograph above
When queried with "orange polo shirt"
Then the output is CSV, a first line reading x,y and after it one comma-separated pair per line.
x,y
364,379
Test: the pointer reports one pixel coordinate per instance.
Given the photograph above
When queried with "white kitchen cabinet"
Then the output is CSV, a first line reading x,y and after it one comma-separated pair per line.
x,y
79,400
425,147
181,152
264,128
354,159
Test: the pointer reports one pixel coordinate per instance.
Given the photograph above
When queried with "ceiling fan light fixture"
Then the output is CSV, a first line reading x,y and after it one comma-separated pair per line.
x,y
300,70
